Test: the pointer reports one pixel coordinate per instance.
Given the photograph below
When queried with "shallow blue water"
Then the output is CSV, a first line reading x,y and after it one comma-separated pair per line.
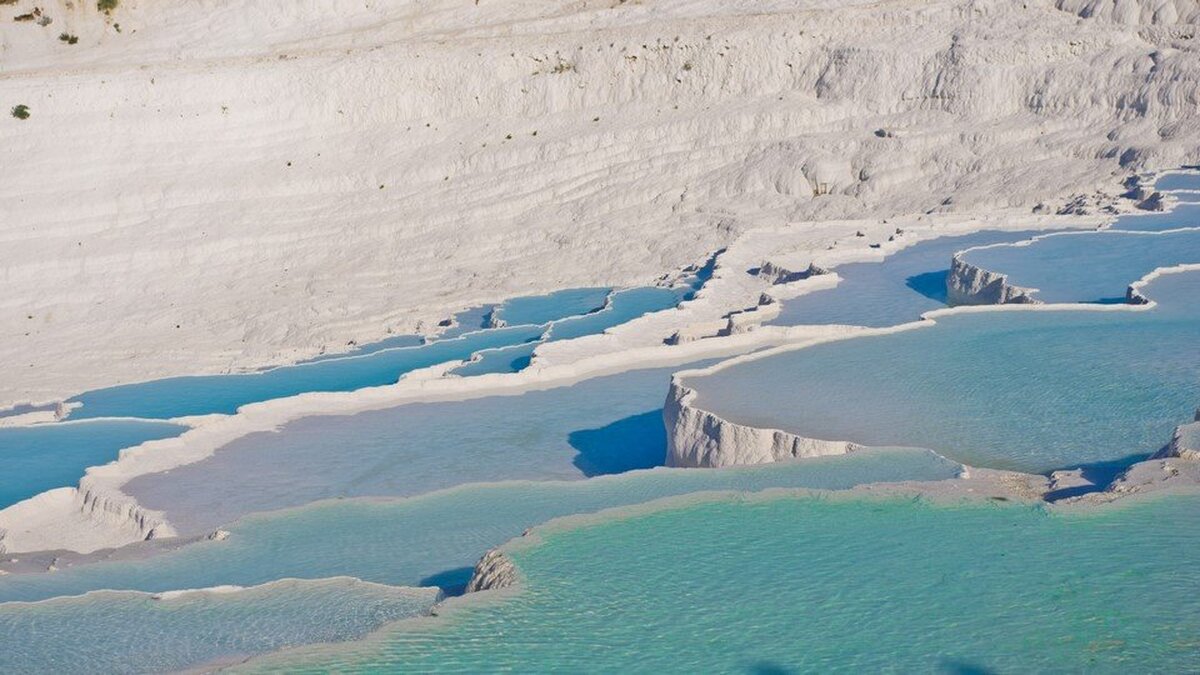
x,y
503,360
1018,390
540,309
125,632
436,539
468,321
898,290
600,426
1178,181
199,395
803,585
375,365
39,458
1088,266
1185,214
624,306
1025,390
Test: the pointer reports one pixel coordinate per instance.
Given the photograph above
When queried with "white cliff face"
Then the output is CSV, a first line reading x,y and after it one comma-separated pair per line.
x,y
699,439
969,284
83,520
234,183
1185,442
493,571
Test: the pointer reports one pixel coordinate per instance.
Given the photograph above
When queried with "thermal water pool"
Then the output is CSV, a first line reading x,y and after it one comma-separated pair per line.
x,y
1180,180
114,631
599,426
623,306
46,456
1026,390
1088,266
431,540
207,394
434,539
899,289
780,584
528,319
39,458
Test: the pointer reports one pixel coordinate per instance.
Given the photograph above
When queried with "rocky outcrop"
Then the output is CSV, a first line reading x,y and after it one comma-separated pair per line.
x,y
1155,202
494,570
735,322
1134,296
699,439
123,512
968,284
777,274
1185,442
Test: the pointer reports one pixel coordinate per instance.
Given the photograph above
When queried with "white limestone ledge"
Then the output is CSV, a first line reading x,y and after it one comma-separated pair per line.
x,y
699,439
969,284
1185,442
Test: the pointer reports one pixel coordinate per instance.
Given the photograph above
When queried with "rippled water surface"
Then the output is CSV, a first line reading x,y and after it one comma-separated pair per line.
x,y
813,585
435,539
134,632
731,583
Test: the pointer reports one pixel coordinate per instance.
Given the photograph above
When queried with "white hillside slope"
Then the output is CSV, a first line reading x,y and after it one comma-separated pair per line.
x,y
230,183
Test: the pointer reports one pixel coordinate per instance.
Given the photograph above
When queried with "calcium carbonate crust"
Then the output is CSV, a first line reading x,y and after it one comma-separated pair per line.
x,y
462,153
700,438
697,438
98,515
969,284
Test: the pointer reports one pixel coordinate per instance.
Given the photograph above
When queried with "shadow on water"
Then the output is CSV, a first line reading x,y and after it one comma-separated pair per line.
x,y
635,442
452,582
930,284
1099,475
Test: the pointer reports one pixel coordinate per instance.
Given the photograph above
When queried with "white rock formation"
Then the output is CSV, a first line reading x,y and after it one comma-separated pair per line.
x,y
969,284
493,571
205,186
1185,442
697,438
75,519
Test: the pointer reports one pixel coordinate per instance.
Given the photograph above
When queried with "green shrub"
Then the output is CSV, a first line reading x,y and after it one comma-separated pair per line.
x,y
106,5
21,112
68,38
